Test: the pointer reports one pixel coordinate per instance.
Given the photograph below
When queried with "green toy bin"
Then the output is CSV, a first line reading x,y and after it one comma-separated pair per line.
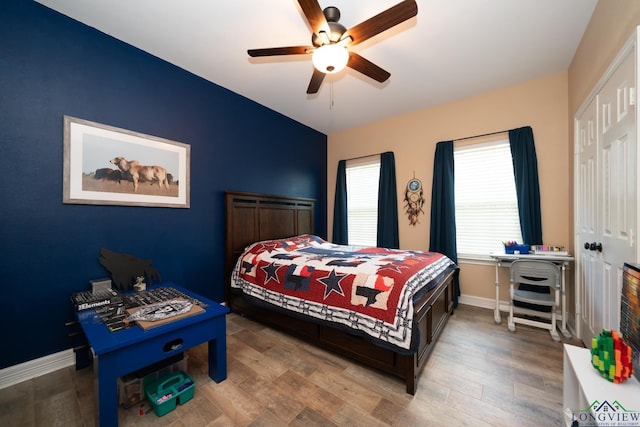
x,y
163,394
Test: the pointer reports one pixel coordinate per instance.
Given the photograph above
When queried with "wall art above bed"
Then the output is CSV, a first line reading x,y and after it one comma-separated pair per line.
x,y
105,165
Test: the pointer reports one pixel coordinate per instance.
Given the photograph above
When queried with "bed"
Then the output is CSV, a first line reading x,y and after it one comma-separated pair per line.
x,y
255,220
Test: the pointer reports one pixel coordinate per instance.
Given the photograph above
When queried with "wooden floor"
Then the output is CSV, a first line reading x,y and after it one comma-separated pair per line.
x,y
480,374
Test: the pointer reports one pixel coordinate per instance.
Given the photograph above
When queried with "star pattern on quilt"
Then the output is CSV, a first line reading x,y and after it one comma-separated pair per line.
x,y
393,266
303,240
271,271
268,247
332,283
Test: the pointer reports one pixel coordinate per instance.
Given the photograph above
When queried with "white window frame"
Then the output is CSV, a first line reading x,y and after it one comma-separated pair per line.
x,y
486,170
363,181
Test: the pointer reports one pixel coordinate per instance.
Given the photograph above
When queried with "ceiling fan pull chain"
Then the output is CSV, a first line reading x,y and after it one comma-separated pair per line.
x,y
331,95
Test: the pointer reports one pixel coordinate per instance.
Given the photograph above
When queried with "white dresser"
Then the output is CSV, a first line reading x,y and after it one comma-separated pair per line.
x,y
584,387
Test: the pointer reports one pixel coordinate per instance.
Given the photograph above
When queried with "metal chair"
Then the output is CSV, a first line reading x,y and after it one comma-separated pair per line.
x,y
535,284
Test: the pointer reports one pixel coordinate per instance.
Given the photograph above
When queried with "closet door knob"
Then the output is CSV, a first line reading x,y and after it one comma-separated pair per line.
x,y
593,246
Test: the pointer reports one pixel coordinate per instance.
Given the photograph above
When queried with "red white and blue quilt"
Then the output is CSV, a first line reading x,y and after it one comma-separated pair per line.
x,y
370,290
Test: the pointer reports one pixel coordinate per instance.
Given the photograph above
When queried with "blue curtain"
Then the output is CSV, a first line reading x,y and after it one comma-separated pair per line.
x,y
340,230
525,170
388,236
443,209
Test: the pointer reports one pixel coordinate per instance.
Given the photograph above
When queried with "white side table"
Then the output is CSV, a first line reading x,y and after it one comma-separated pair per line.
x,y
591,399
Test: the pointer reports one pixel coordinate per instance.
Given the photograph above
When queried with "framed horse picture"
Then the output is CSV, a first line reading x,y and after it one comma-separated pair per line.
x,y
105,165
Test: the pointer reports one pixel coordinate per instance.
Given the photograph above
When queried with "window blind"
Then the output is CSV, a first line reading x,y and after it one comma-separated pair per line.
x,y
362,201
486,200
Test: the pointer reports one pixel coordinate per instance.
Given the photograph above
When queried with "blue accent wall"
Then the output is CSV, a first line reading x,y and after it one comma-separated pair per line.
x,y
51,66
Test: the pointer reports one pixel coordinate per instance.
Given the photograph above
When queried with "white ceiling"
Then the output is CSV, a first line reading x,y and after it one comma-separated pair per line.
x,y
451,50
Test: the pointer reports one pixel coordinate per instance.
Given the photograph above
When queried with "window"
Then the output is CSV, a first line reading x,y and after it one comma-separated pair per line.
x,y
363,176
486,201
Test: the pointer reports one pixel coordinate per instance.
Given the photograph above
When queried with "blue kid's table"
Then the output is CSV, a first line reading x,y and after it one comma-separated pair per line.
x,y
125,351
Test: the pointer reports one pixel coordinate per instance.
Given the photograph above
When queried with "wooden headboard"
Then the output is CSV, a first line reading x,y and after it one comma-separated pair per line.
x,y
252,217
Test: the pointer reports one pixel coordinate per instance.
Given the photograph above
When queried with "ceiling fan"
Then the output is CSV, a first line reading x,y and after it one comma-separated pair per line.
x,y
331,41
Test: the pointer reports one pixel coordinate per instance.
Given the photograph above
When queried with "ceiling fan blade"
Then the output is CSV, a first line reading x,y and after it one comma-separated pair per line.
x,y
272,51
382,21
315,17
316,81
367,67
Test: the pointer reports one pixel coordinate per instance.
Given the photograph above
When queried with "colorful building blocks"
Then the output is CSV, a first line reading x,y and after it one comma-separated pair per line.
x,y
611,356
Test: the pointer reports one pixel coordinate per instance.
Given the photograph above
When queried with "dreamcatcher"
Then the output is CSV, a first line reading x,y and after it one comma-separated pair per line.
x,y
413,200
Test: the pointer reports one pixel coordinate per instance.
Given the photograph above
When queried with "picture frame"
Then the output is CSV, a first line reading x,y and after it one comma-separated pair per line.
x,y
106,165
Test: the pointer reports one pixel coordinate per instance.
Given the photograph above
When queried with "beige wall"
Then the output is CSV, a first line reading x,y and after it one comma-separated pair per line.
x,y
611,25
547,104
540,103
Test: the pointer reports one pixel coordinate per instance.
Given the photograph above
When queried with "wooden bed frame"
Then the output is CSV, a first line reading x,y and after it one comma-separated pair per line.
x,y
252,217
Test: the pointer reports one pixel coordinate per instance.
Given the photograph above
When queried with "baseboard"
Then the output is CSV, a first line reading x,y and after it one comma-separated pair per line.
x,y
34,368
480,302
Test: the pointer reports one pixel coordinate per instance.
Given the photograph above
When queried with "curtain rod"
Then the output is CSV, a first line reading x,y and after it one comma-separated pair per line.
x,y
362,157
484,134
459,139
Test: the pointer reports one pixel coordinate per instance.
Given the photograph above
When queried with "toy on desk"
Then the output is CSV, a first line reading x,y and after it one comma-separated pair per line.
x,y
140,285
161,310
611,356
513,247
548,250
125,268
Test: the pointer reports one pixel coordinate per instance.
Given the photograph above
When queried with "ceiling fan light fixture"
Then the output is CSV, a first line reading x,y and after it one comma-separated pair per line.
x,y
330,58
330,40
